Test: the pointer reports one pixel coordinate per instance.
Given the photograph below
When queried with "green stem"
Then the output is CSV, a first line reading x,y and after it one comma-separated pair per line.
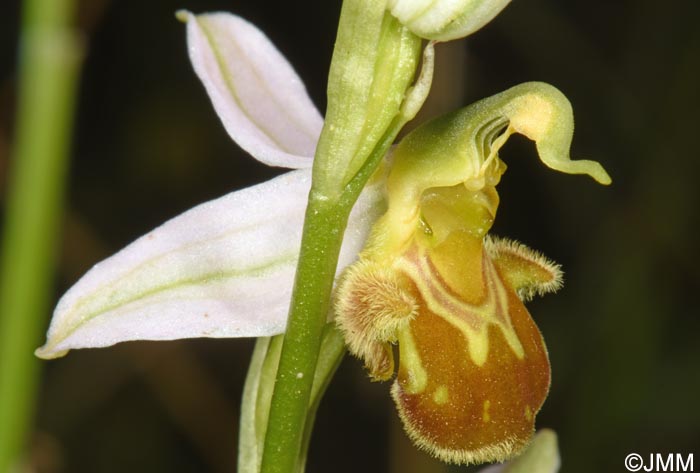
x,y
323,234
258,388
48,70
330,356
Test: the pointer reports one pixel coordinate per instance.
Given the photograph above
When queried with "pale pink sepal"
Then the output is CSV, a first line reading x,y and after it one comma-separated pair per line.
x,y
222,269
258,96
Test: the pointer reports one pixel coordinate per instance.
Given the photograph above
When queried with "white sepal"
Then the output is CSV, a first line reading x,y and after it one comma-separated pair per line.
x,y
222,269
260,99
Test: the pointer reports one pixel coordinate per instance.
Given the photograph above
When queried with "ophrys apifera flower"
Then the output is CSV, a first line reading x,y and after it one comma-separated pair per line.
x,y
473,368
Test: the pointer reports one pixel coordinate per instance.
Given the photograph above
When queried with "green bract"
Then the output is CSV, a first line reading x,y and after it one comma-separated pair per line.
x,y
367,84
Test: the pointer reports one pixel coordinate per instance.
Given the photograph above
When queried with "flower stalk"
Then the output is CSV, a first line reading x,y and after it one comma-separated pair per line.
x,y
323,231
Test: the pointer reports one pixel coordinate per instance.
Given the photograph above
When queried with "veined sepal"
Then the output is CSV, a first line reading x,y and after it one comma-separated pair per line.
x,y
222,269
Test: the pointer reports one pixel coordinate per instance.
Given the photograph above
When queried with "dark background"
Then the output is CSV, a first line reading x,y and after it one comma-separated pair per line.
x,y
622,334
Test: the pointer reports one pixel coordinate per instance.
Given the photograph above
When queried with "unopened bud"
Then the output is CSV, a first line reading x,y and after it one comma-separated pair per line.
x,y
444,20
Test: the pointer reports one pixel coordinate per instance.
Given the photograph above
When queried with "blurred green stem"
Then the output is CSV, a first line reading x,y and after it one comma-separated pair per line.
x,y
49,59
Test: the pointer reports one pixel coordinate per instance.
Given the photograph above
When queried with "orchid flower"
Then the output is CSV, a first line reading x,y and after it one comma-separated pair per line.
x,y
417,267
473,368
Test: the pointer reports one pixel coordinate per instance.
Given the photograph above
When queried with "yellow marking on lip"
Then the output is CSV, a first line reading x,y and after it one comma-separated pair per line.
x,y
472,320
441,395
486,417
528,413
417,377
